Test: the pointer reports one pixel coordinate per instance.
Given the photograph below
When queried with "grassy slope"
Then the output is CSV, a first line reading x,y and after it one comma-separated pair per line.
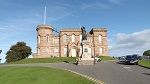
x,y
145,63
46,60
39,75
105,58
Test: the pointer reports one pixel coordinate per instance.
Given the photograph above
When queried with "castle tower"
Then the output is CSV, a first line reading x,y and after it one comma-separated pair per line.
x,y
44,39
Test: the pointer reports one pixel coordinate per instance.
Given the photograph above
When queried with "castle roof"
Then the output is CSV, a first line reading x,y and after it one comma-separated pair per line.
x,y
44,26
70,29
99,28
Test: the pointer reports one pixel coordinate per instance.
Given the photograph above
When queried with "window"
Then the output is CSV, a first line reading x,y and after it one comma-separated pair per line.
x,y
73,38
47,50
52,50
47,38
100,38
90,50
55,41
85,50
56,50
65,38
100,50
65,50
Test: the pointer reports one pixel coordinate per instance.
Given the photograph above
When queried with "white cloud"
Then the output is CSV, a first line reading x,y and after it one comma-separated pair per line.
x,y
136,42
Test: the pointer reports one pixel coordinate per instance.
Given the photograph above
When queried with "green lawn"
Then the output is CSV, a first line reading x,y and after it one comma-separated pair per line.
x,y
106,58
39,75
46,60
145,63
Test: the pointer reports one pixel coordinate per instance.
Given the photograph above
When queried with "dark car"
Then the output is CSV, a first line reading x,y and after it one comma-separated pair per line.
x,y
129,59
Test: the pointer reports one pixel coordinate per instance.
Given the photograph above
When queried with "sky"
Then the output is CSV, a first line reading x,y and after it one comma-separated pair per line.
x,y
127,21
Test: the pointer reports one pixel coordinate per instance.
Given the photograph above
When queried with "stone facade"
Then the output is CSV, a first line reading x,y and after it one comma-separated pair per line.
x,y
68,42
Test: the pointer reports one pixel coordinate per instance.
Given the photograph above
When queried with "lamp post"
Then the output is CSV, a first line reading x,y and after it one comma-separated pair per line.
x,y
0,53
59,41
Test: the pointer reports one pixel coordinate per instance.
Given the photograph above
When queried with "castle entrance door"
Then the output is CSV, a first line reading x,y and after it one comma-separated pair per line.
x,y
73,52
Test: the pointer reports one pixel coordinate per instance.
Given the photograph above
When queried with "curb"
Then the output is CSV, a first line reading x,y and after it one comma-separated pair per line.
x,y
144,66
88,77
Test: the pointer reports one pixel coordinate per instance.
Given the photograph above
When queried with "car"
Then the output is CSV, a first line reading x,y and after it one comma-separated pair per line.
x,y
121,60
129,59
97,59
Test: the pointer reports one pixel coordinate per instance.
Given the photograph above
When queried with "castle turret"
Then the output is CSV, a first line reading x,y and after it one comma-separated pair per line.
x,y
44,39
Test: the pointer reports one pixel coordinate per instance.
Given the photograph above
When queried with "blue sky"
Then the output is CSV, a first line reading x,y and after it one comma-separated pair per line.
x,y
127,21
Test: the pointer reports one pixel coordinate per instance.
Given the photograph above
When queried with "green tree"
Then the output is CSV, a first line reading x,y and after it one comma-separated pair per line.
x,y
0,51
146,53
17,52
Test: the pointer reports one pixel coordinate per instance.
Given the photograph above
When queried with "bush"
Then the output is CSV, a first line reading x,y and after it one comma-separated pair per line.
x,y
146,53
17,52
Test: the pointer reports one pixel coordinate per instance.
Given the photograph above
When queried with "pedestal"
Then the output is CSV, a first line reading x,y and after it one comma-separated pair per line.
x,y
86,57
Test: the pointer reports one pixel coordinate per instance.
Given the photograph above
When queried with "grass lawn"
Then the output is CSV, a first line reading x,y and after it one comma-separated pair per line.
x,y
39,75
106,58
46,60
145,63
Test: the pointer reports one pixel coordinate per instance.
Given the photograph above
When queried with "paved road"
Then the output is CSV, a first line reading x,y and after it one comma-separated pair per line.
x,y
108,72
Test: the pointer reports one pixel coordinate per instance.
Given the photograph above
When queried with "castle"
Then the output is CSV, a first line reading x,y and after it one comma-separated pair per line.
x,y
67,43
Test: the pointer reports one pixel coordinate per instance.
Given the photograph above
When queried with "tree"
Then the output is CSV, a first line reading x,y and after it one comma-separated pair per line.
x,y
146,53
17,52
0,51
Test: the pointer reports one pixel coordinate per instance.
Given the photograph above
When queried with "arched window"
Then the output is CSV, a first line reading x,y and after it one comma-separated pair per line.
x,y
65,38
47,38
73,38
100,38
47,51
65,50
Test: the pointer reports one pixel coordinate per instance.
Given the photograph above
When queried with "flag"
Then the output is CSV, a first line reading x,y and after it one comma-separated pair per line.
x,y
91,32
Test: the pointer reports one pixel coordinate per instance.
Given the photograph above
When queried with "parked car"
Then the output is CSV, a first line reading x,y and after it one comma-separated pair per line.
x,y
129,59
97,59
121,60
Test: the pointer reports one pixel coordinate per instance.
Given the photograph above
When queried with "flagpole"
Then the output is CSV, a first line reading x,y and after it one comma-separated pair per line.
x,y
45,15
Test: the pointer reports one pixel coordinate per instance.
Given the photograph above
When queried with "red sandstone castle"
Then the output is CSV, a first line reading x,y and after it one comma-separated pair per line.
x,y
67,43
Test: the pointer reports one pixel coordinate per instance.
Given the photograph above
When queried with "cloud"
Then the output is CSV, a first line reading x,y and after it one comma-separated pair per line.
x,y
134,39
136,42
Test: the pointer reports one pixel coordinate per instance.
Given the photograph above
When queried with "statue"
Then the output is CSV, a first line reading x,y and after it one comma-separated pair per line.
x,y
84,35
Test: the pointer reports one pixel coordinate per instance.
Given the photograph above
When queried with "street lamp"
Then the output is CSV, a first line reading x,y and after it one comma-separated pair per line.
x,y
0,53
